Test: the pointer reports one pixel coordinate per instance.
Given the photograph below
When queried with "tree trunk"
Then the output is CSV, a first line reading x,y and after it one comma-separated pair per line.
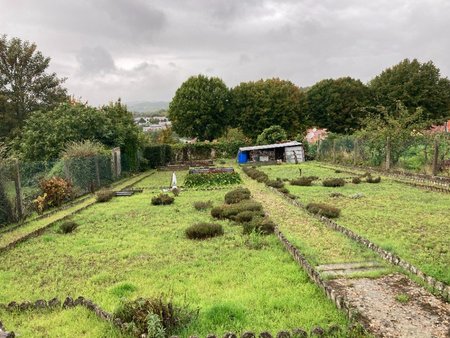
x,y
17,184
355,152
334,151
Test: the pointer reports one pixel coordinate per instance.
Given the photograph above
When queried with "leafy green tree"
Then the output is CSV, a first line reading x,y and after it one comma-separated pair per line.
x,y
45,134
416,85
25,86
336,104
272,135
199,108
258,105
399,127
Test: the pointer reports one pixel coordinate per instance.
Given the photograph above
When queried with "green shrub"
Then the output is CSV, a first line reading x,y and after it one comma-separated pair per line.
x,y
212,179
6,209
140,315
104,195
275,184
333,182
237,195
356,180
371,179
199,205
323,210
259,224
162,199
217,212
157,155
302,181
67,227
204,230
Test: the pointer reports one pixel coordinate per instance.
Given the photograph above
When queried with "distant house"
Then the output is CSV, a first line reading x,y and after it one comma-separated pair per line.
x,y
290,152
445,128
314,135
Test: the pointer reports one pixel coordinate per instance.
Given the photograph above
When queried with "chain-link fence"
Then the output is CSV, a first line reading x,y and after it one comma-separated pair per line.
x,y
421,153
23,183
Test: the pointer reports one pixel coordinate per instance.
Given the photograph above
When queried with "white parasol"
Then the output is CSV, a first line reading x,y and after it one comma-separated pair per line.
x,y
174,181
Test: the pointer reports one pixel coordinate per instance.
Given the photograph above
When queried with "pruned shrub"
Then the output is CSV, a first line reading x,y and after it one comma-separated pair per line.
x,y
200,205
259,224
356,180
175,191
154,317
217,212
371,179
162,199
283,190
256,174
247,216
333,182
229,211
302,181
104,195
204,230
237,195
58,191
67,227
323,210
262,178
275,184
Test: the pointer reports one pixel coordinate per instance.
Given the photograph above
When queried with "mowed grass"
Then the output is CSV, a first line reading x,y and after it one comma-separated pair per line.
x,y
128,248
408,221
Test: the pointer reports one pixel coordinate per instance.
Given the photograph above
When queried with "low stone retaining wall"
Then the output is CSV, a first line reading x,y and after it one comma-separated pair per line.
x,y
432,183
438,287
55,304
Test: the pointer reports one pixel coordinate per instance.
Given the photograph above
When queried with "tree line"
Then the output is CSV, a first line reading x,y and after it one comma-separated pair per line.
x,y
204,107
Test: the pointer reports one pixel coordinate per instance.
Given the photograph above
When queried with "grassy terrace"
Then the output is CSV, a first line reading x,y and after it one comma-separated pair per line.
x,y
410,222
128,249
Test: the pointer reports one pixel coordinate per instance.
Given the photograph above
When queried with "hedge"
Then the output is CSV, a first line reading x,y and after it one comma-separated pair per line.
x,y
157,155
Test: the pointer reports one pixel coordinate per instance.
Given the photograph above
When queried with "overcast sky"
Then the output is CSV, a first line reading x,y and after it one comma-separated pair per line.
x,y
144,50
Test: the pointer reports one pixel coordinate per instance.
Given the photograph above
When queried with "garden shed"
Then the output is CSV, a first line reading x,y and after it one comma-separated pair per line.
x,y
289,152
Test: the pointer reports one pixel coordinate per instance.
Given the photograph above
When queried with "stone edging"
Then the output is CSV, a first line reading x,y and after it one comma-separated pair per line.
x,y
436,184
69,302
439,287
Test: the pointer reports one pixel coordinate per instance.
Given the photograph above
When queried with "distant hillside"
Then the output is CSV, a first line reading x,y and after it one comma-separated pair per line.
x,y
147,106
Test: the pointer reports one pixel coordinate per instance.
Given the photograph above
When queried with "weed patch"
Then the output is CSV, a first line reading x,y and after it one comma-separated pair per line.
x,y
302,181
333,182
237,195
104,195
200,205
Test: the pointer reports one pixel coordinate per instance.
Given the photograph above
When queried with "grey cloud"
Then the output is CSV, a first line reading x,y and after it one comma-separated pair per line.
x,y
149,48
95,60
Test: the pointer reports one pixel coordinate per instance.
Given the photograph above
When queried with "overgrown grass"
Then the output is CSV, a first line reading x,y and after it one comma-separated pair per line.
x,y
410,222
129,248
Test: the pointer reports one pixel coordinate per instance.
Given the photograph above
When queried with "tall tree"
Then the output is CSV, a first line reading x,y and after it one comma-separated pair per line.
x,y
258,105
416,85
199,108
336,104
25,86
45,134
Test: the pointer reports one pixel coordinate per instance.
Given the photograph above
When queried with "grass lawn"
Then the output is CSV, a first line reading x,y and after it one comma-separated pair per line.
x,y
127,248
410,222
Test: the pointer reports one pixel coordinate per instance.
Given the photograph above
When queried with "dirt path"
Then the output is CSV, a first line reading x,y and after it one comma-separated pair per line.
x,y
390,305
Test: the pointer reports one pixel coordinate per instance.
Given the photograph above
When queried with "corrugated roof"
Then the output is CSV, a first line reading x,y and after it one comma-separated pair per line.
x,y
271,146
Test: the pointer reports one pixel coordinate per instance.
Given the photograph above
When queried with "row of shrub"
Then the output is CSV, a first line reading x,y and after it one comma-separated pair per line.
x,y
211,179
161,154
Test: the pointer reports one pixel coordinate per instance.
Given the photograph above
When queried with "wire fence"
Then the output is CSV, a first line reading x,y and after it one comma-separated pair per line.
x,y
23,183
429,154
